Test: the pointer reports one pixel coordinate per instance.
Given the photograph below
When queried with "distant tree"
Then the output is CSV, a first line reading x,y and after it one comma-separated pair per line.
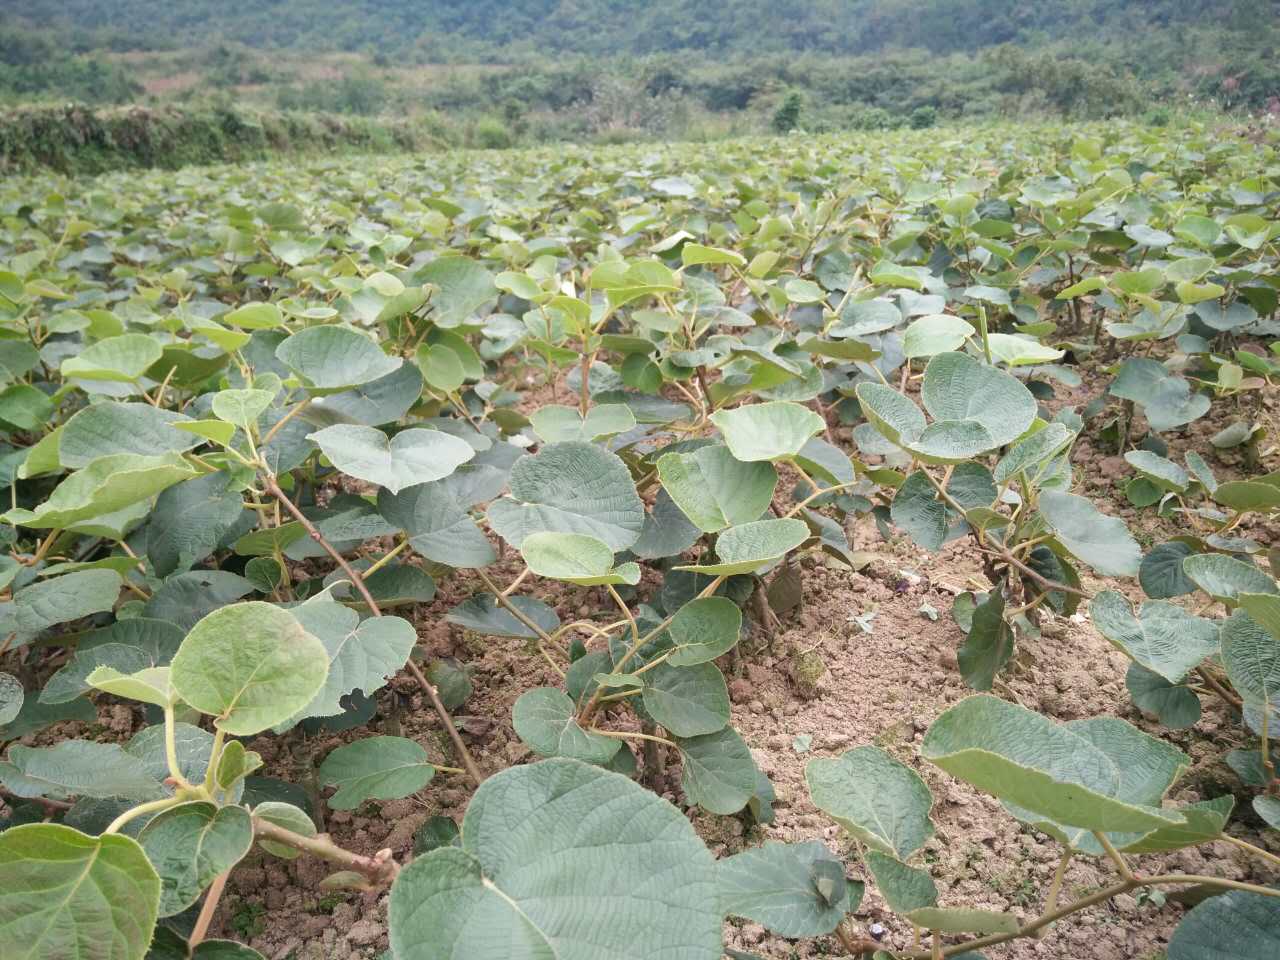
x,y
923,117
787,117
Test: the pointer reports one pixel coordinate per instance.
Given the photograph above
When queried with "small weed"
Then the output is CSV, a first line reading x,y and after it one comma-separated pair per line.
x,y
249,919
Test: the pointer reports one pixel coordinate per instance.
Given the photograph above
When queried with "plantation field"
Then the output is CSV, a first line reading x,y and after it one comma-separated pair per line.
x,y
776,548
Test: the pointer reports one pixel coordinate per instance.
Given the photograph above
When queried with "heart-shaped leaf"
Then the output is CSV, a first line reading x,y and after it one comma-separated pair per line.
x,y
557,834
776,885
688,701
556,424
544,718
1225,578
575,558
331,358
1246,924
363,654
958,387
191,844
410,457
881,801
251,666
1102,542
1163,637
714,489
704,629
776,430
375,768
1028,760
65,894
750,546
570,488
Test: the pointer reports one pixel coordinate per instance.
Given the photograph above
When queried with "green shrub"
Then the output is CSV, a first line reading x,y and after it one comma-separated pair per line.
x,y
492,134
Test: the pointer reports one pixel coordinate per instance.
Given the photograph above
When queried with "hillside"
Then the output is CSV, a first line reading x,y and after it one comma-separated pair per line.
x,y
446,29
494,73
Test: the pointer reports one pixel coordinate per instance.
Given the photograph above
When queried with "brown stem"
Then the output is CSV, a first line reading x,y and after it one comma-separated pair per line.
x,y
858,948
1004,553
1212,683
208,909
1106,893
380,869
45,802
464,755
297,409
273,488
506,604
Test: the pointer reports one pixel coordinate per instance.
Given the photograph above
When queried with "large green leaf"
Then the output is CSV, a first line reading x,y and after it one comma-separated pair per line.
x,y
251,666
1251,656
570,488
121,359
68,896
751,546
547,845
1235,925
106,485
191,844
410,457
688,701
464,287
1225,578
1175,705
375,768
904,888
1264,608
704,629
881,801
714,489
719,774
545,719
110,428
1161,573
958,387
920,512
1101,541
1028,760
148,685
935,333
894,415
988,644
363,654
794,889
555,423
190,519
59,599
78,768
1204,822
241,407
437,524
1248,495
483,614
1033,451
331,358
1163,637
575,558
776,430
1143,769
1166,399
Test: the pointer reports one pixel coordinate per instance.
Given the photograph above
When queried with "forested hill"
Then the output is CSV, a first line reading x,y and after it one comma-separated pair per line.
x,y
503,29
